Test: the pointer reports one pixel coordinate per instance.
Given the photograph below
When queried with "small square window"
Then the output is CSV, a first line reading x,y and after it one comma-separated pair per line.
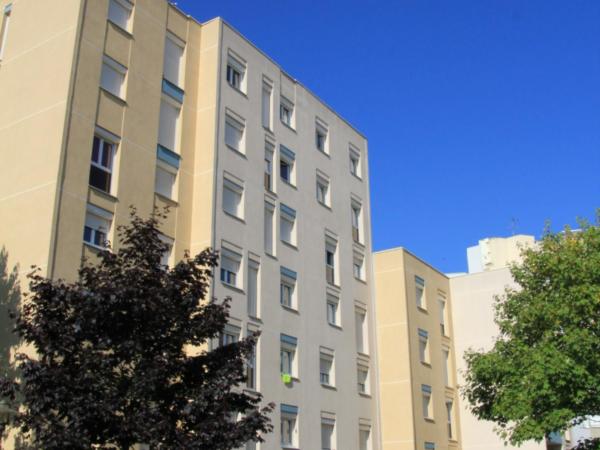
x,y
97,226
112,78
286,112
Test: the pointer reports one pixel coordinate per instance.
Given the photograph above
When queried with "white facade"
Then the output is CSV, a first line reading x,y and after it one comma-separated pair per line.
x,y
496,253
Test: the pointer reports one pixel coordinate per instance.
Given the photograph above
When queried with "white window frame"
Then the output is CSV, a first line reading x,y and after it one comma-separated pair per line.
x,y
287,291
239,124
253,307
354,155
267,105
169,102
329,423
235,188
450,418
443,316
362,330
269,238
269,180
333,310
291,163
180,44
289,351
4,28
236,68
229,335
424,356
361,432
356,219
427,402
117,68
448,380
331,271
321,130
420,293
286,112
323,191
363,385
94,213
291,424
105,139
167,257
225,273
252,364
358,266
290,220
126,6
327,377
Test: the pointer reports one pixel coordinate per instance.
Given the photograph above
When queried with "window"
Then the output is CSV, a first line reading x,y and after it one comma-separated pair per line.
x,y
167,256
97,226
429,446
253,288
287,224
288,346
330,260
286,112
251,367
326,373
364,438
426,395
355,162
165,178
236,72
230,267
266,105
321,137
234,134
363,379
327,433
360,316
168,127
333,310
173,62
229,335
101,167
112,78
286,164
446,364
450,414
420,292
119,13
287,295
323,189
269,229
356,209
423,346
289,424
269,167
442,311
232,198
358,266
4,28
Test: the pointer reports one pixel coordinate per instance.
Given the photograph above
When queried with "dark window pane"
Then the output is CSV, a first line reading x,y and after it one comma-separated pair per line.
x,y
96,149
107,155
87,234
100,179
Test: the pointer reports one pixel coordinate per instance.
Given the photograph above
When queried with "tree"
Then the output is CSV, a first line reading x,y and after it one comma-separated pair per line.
x,y
113,363
543,373
10,296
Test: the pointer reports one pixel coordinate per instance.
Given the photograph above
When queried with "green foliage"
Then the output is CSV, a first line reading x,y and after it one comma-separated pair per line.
x,y
543,373
112,368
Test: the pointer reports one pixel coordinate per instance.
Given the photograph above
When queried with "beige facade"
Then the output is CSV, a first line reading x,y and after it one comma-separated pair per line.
x,y
416,354
496,253
116,103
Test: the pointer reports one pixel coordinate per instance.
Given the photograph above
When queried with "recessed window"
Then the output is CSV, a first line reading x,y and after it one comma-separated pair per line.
x,y
167,256
426,401
287,288
229,335
363,379
446,366
234,133
358,266
360,316
173,61
168,127
286,112
233,193
450,418
119,13
423,346
356,219
269,167
289,426
420,292
267,90
112,78
230,267
287,224
101,166
330,260
288,345
287,159
97,226
355,165
253,290
333,304
326,372
167,167
442,315
251,366
364,439
429,446
269,229
323,189
328,438
321,137
236,72
4,28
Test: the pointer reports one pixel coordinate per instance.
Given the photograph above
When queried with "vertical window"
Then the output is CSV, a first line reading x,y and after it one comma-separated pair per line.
x,y
446,365
253,288
332,310
364,439
287,224
442,312
230,267
289,425
450,414
358,266
233,194
229,335
426,399
363,379
165,178
173,61
321,137
420,292
356,218
287,293
112,78
4,28
266,105
167,256
330,260
323,189
269,167
326,372
423,346
101,166
97,226
234,134
355,166
429,446
236,72
269,229
361,330
286,164
251,367
288,345
119,13
286,112
168,127
328,434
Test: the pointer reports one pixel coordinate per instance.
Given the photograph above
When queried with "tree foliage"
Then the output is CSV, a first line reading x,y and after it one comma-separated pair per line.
x,y
10,296
113,366
543,372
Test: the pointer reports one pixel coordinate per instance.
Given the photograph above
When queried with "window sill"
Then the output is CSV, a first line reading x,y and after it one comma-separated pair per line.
x,y
271,192
426,364
324,205
103,194
272,256
323,152
268,130
428,419
360,280
360,245
290,245
365,394
328,386
359,178
120,29
288,183
115,97
95,248
232,287
233,216
364,355
335,325
254,318
167,199
236,151
423,310
287,447
289,127
238,90
290,309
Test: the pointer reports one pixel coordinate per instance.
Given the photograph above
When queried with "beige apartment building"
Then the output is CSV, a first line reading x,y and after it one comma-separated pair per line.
x,y
112,103
416,354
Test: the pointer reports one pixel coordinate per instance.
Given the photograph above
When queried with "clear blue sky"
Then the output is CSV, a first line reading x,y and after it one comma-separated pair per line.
x,y
483,117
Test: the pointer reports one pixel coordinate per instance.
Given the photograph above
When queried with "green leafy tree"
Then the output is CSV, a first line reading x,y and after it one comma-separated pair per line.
x,y
543,373
112,366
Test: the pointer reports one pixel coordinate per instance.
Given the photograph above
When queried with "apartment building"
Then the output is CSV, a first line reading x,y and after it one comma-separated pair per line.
x,y
416,354
119,102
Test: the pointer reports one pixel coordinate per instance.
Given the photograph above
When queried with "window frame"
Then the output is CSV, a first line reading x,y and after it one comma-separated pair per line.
x,y
125,5
6,18
104,138
321,131
421,298
287,288
102,216
177,42
225,274
424,350
253,308
286,112
116,68
363,385
355,155
287,157
288,215
170,102
327,378
427,402
236,190
236,66
239,124
335,301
